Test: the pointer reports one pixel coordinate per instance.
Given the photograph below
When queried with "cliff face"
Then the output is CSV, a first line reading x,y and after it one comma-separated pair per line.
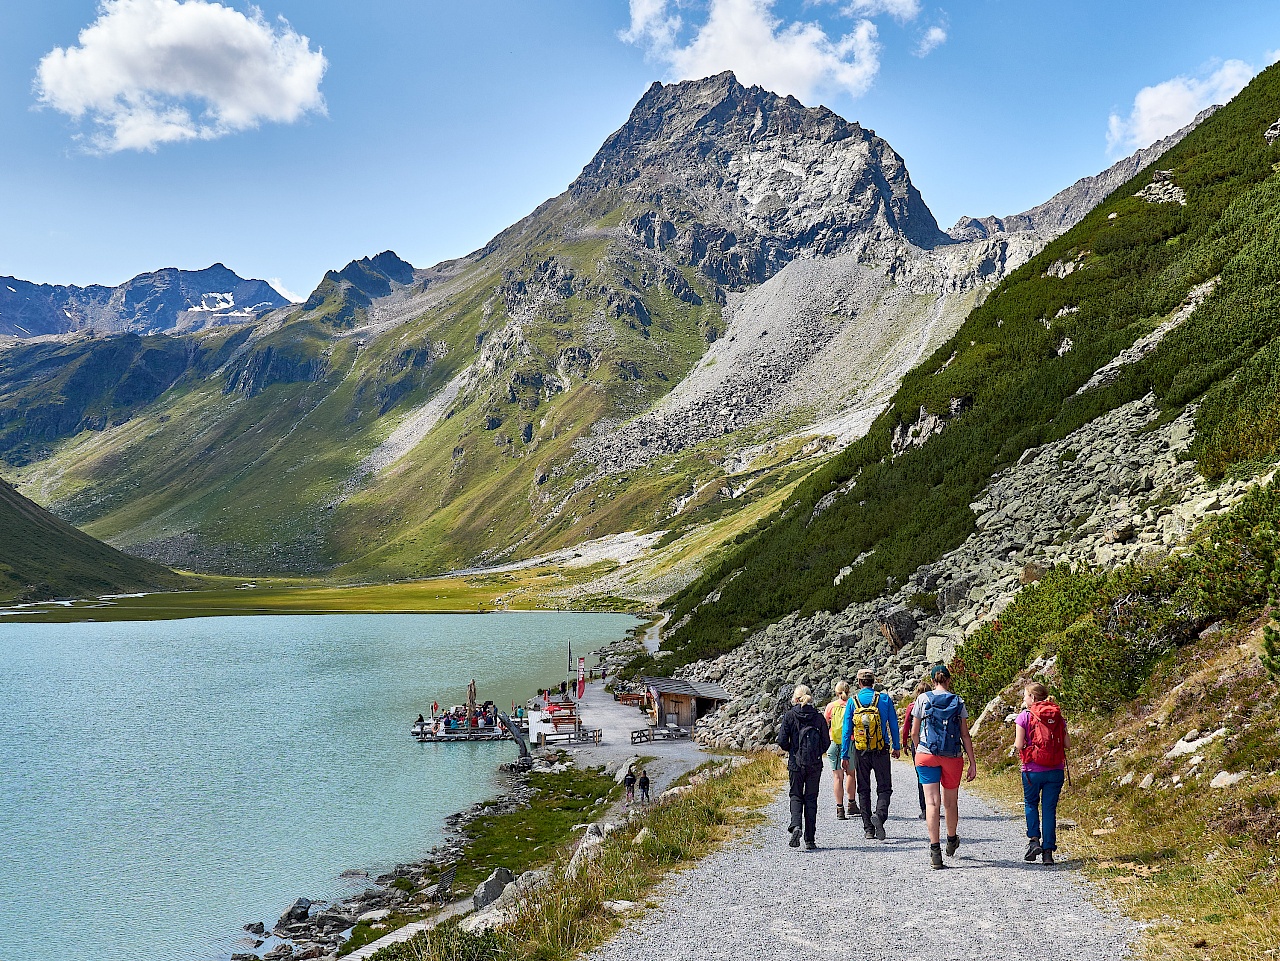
x,y
741,181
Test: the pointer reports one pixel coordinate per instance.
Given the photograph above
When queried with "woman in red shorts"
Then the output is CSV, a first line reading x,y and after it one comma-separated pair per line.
x,y
940,723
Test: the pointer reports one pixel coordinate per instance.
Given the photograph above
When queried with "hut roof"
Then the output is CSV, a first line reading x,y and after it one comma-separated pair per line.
x,y
678,685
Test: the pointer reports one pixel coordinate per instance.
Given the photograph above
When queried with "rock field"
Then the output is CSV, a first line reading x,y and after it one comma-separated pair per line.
x,y
1112,492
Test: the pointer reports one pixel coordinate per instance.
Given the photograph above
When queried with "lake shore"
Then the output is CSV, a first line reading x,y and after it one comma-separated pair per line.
x,y
406,896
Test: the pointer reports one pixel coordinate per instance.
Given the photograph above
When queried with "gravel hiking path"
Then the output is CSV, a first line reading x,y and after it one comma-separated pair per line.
x,y
877,900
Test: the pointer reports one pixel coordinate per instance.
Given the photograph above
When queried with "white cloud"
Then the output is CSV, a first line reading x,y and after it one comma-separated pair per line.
x,y
744,36
934,38
651,24
148,72
1161,109
278,286
900,9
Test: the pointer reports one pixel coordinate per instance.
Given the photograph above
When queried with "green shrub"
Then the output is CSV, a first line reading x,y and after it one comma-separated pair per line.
x,y
1109,630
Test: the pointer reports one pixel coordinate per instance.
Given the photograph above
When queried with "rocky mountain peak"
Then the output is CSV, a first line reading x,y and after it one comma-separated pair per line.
x,y
744,180
159,301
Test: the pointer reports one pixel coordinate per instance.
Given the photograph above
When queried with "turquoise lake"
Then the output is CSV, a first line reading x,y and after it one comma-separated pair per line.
x,y
163,783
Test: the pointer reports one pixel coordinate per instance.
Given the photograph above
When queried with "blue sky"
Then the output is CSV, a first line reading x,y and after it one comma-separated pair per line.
x,y
291,136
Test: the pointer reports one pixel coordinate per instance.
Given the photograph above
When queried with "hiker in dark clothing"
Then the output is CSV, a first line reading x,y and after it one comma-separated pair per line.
x,y
805,738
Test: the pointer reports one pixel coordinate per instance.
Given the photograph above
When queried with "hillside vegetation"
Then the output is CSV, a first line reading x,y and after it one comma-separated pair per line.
x,y
42,557
1168,674
403,422
1011,379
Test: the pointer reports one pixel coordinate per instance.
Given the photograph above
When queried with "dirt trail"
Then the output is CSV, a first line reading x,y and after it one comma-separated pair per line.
x,y
878,900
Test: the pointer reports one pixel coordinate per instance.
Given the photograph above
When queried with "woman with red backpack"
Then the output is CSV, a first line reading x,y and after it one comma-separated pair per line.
x,y
1041,738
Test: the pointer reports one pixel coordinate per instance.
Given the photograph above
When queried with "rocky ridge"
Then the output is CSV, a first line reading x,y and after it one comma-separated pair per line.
x,y
163,300
829,336
1068,207
1113,492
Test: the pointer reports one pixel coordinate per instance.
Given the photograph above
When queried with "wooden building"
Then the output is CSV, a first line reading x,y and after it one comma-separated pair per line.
x,y
683,702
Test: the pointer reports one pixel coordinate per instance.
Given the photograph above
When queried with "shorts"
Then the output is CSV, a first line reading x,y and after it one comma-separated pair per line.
x,y
833,755
931,769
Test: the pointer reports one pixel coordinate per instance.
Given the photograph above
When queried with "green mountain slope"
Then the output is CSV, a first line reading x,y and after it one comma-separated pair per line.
x,y
1015,376
41,557
296,450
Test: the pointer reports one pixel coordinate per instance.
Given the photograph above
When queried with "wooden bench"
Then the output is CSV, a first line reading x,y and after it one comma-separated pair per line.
x,y
632,700
642,735
563,719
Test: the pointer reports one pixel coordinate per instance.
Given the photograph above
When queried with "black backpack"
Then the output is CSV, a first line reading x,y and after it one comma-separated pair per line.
x,y
808,746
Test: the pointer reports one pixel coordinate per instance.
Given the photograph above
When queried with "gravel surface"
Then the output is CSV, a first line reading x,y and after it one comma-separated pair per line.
x,y
878,900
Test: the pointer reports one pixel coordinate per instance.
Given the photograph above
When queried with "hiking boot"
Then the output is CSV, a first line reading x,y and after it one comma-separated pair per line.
x,y
1033,850
840,815
810,846
851,808
877,825
953,842
869,833
1048,857
795,837
935,856
920,816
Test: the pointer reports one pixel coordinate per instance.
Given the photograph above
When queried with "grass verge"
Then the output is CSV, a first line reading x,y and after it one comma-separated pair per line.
x,y
531,589
1194,861
523,839
575,910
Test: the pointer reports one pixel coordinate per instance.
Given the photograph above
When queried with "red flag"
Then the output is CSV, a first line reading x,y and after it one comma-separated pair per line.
x,y
582,677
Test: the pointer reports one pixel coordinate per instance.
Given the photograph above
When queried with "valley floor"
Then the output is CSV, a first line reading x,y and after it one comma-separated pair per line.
x,y
879,899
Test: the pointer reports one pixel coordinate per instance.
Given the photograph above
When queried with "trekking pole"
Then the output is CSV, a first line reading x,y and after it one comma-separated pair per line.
x,y
1067,768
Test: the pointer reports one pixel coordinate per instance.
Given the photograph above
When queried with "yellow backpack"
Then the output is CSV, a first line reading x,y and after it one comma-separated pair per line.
x,y
837,720
868,728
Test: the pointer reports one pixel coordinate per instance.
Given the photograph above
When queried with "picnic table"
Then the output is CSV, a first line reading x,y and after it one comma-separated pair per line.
x,y
630,698
562,719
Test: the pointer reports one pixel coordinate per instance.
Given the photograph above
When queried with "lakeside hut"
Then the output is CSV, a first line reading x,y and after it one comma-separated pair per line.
x,y
683,702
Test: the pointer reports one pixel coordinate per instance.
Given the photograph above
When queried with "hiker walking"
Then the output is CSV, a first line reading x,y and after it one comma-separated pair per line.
x,y
940,728
629,782
870,725
1042,739
908,740
842,786
805,738
643,784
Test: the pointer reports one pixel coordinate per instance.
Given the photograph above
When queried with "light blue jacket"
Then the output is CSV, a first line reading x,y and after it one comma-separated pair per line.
x,y
888,720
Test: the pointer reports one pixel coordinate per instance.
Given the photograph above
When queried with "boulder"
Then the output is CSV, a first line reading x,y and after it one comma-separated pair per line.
x,y
898,628
490,889
296,913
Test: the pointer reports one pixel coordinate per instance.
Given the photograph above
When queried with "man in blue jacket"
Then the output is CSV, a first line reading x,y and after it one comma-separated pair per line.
x,y
870,727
